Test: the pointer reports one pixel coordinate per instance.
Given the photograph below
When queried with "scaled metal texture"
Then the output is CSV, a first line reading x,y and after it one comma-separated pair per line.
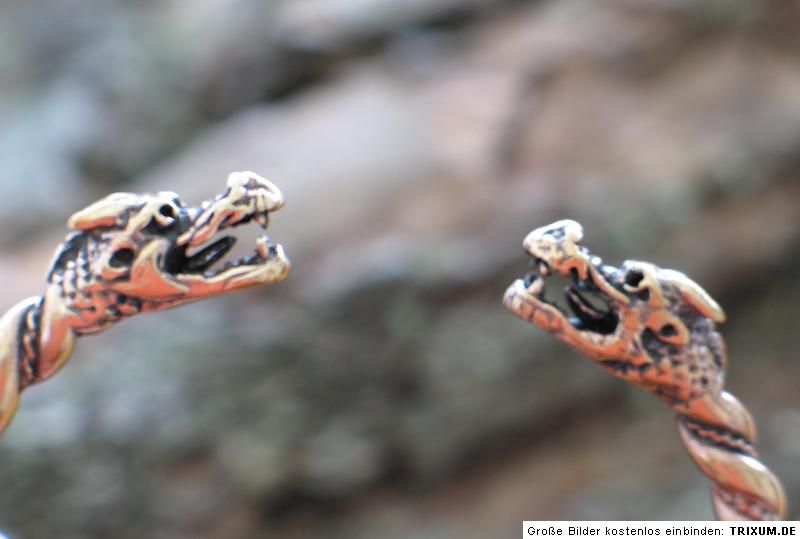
x,y
655,328
130,254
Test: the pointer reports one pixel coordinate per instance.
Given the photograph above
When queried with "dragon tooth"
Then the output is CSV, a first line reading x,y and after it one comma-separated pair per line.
x,y
262,219
262,246
536,287
544,269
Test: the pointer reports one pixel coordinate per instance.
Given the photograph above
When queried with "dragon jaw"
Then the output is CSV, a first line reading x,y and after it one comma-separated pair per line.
x,y
556,250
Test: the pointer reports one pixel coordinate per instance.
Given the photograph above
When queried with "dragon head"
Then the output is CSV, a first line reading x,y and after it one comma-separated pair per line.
x,y
134,253
652,326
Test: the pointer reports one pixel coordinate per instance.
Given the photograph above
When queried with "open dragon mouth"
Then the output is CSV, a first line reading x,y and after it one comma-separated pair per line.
x,y
589,308
200,262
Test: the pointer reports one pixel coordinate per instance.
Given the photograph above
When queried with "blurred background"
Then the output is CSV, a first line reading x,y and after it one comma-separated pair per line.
x,y
382,390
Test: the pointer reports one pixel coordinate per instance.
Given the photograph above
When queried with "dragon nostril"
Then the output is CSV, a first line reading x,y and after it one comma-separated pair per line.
x,y
167,211
121,258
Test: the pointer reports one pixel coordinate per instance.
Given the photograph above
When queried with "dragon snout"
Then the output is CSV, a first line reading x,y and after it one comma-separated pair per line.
x,y
267,195
557,245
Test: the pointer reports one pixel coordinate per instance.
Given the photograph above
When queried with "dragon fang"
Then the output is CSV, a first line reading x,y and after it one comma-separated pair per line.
x,y
130,254
655,328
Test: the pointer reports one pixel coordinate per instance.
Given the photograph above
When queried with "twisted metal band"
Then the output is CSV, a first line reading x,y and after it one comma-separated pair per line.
x,y
655,328
130,254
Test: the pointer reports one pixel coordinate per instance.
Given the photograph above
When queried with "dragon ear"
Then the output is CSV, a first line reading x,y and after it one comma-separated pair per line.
x,y
698,298
106,212
572,229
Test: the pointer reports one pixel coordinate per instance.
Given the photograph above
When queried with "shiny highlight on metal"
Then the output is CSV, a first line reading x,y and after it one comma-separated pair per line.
x,y
655,328
130,254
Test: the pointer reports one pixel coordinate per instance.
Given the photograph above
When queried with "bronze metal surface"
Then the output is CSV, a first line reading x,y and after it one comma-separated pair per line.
x,y
130,254
655,328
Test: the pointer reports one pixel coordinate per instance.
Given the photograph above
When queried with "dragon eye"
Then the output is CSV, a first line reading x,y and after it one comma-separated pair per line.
x,y
166,216
668,330
633,281
167,211
121,258
633,278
